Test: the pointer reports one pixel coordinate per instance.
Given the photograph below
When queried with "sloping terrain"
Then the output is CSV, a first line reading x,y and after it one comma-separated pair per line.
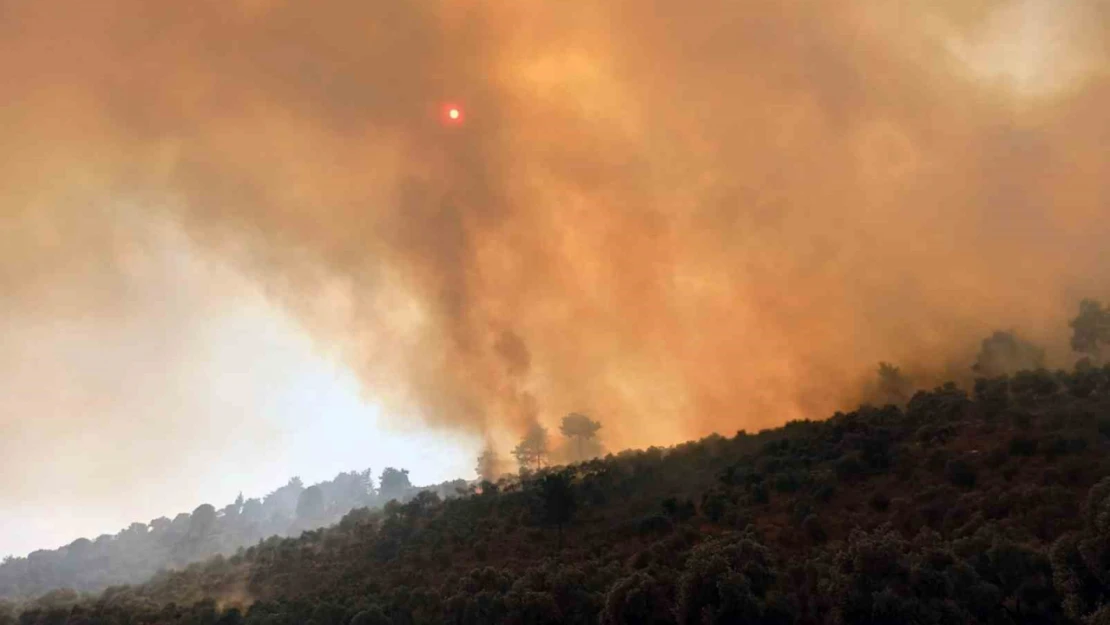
x,y
136,553
987,506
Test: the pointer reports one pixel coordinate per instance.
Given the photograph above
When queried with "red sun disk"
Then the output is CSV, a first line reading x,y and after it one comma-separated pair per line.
x,y
452,114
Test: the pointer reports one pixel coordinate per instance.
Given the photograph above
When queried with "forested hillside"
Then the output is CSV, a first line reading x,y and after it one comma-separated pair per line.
x,y
988,506
136,553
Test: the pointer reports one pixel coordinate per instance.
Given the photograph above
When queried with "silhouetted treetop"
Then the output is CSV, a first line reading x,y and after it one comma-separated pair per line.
x,y
1005,353
581,432
1091,329
531,453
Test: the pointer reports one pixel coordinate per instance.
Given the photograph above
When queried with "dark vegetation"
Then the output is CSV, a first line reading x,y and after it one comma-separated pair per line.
x,y
985,505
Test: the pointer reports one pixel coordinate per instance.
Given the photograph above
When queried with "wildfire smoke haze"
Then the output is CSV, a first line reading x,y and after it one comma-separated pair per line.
x,y
680,217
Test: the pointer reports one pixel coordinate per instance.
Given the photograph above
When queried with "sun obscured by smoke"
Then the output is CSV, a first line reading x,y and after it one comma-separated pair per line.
x,y
679,217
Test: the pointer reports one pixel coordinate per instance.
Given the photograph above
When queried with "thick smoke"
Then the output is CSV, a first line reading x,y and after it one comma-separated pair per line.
x,y
679,217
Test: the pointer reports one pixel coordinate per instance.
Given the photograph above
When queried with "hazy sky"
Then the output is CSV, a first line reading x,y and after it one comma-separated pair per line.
x,y
251,403
224,221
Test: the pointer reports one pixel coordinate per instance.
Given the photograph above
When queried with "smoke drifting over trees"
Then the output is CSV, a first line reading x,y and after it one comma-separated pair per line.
x,y
581,434
533,450
997,472
1091,329
991,509
1004,353
536,448
138,552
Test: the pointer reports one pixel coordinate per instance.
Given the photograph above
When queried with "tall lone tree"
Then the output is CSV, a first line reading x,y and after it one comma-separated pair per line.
x,y
582,433
1090,329
488,464
531,453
